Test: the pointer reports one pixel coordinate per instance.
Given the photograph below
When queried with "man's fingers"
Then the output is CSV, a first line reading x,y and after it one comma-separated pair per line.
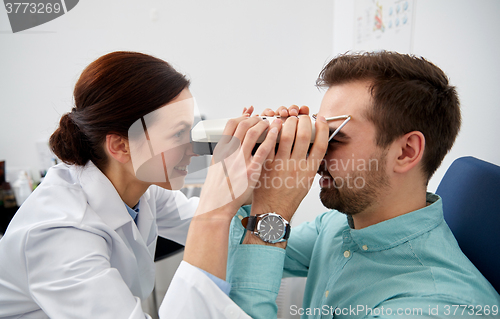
x,y
266,148
281,111
287,137
320,145
302,138
278,124
304,110
293,110
267,112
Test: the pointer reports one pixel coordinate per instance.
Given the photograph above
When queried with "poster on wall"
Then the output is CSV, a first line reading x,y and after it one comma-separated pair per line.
x,y
383,25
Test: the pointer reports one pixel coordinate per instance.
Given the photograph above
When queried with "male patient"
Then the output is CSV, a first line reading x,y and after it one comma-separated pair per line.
x,y
384,249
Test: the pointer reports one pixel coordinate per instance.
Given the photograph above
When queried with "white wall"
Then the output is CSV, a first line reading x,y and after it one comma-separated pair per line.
x,y
461,37
237,54
261,53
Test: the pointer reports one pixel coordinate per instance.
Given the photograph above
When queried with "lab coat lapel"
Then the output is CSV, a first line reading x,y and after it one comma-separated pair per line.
x,y
143,246
103,197
105,201
146,223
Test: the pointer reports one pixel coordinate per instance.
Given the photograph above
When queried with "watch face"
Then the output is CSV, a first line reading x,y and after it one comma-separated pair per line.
x,y
271,228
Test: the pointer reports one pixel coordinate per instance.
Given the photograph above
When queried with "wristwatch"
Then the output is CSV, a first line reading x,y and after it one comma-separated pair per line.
x,y
270,227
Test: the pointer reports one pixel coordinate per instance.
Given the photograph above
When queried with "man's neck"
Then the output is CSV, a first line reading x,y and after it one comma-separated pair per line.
x,y
391,204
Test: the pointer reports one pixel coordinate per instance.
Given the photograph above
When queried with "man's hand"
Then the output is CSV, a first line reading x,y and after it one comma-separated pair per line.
x,y
282,111
287,175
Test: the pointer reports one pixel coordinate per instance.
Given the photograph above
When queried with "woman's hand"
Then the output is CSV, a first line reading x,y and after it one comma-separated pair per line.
x,y
230,180
234,171
288,175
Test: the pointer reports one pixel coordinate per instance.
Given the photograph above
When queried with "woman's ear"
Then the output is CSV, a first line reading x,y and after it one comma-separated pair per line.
x,y
410,148
118,148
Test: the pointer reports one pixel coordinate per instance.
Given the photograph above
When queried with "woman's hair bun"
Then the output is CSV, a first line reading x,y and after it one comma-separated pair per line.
x,y
69,143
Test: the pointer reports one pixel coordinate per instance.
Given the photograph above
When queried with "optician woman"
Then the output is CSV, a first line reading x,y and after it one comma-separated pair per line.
x,y
82,245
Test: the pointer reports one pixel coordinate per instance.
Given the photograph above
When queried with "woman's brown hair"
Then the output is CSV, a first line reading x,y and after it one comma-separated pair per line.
x,y
111,94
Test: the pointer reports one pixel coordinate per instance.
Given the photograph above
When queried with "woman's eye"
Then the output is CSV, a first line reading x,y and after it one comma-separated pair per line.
x,y
179,134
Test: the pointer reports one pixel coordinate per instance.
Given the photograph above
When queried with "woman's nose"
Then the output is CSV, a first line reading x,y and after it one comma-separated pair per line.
x,y
189,150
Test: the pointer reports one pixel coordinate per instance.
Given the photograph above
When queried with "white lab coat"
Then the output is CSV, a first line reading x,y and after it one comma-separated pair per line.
x,y
73,251
193,295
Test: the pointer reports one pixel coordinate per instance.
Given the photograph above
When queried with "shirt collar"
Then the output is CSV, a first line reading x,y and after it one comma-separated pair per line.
x,y
400,229
133,211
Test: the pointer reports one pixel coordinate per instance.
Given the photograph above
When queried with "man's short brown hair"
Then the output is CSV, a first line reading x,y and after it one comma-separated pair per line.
x,y
409,94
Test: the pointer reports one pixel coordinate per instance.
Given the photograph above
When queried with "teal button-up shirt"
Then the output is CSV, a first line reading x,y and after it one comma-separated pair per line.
x,y
406,267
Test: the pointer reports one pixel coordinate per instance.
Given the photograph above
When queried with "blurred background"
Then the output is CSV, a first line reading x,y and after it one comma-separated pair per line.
x,y
242,53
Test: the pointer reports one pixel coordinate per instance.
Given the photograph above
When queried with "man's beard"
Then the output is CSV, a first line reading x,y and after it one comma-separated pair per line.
x,y
352,200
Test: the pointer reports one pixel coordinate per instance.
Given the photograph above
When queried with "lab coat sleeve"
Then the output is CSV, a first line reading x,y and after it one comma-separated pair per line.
x,y
174,212
192,294
69,275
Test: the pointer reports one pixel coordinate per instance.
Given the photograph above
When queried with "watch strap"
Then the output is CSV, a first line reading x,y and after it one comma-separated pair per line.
x,y
287,231
249,222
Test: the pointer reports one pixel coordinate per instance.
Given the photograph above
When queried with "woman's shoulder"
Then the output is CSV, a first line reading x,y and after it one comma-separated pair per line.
x,y
59,199
63,175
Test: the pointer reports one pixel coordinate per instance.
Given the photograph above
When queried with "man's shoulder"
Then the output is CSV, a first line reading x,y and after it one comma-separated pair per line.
x,y
333,216
331,221
452,274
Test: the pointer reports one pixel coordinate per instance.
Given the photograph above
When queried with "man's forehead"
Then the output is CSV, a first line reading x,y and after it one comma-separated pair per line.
x,y
352,98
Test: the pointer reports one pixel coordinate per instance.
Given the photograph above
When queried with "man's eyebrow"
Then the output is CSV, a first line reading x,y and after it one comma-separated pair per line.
x,y
339,134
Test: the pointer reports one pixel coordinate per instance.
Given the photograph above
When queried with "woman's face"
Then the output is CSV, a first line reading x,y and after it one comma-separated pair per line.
x,y
160,143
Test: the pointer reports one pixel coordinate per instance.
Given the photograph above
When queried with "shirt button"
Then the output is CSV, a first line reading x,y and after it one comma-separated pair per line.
x,y
231,312
365,247
347,254
326,294
240,217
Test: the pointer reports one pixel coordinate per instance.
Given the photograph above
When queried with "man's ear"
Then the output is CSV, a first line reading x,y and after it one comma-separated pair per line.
x,y
410,149
117,147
